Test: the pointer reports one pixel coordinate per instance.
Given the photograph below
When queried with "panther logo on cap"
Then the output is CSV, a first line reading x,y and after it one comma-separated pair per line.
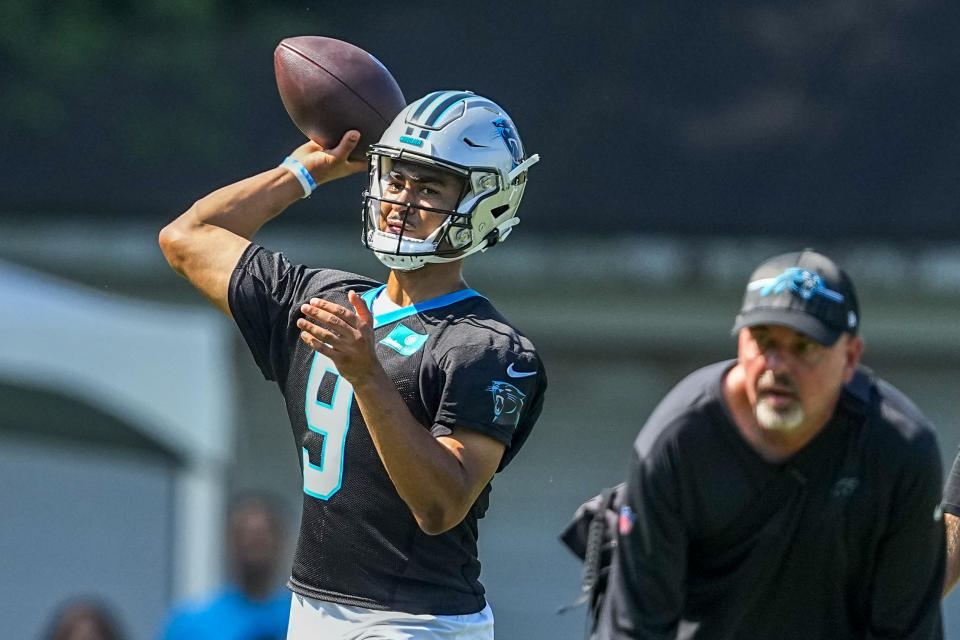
x,y
802,282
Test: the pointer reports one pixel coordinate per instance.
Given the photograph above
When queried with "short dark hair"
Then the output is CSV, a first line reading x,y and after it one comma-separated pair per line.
x,y
78,608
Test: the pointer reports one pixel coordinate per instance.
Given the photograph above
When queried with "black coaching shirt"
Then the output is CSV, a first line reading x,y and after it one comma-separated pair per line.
x,y
455,361
844,540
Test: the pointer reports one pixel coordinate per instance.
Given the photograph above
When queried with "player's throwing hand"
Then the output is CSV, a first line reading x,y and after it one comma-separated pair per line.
x,y
330,164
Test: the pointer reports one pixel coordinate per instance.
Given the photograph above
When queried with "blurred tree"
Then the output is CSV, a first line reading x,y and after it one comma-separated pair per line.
x,y
828,117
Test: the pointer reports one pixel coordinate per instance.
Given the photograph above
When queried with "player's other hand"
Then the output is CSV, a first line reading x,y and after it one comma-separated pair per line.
x,y
343,335
330,164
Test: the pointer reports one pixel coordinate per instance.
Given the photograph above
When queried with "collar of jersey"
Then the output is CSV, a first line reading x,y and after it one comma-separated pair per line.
x,y
426,305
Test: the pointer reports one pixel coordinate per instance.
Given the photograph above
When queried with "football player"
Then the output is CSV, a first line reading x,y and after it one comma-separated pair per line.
x,y
405,397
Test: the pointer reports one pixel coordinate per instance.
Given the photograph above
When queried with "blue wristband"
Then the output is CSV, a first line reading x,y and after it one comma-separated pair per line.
x,y
301,174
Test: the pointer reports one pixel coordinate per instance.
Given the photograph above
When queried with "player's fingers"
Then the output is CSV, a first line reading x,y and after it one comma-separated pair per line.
x,y
316,345
319,332
329,164
360,307
305,149
342,152
347,143
344,315
333,320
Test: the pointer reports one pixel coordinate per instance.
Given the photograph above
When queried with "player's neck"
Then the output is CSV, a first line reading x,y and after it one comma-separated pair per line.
x,y
430,281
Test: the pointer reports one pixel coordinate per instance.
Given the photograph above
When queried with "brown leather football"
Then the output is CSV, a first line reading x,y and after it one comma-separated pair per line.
x,y
329,87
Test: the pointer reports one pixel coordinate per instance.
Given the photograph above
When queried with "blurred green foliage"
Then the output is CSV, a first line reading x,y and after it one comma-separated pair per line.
x,y
60,58
761,116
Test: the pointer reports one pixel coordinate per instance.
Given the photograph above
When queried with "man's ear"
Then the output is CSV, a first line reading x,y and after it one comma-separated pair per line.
x,y
852,351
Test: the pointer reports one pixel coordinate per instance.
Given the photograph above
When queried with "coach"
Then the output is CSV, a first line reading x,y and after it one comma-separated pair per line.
x,y
786,494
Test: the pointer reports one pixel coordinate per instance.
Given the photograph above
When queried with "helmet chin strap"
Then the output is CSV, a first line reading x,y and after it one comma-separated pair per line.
x,y
422,249
413,245
503,231
432,238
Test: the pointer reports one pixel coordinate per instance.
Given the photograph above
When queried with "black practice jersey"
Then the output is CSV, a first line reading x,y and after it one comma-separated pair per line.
x,y
844,540
455,361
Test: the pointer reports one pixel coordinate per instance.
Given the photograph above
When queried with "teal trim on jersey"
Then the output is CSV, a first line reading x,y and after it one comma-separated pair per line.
x,y
369,296
313,494
404,340
417,142
405,312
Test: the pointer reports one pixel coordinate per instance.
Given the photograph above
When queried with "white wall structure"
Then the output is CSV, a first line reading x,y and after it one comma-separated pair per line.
x,y
163,369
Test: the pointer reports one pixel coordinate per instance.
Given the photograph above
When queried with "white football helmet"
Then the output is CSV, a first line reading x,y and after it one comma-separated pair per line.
x,y
464,134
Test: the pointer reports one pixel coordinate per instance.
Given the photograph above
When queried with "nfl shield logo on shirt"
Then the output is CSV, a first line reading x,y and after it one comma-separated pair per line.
x,y
625,522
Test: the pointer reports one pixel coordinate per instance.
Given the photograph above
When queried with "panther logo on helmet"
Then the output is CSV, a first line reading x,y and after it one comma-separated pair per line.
x,y
505,131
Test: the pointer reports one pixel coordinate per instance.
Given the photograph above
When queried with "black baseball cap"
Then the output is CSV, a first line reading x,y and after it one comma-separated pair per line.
x,y
804,291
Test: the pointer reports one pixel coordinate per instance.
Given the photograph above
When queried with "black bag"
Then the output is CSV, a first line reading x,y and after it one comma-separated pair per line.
x,y
592,536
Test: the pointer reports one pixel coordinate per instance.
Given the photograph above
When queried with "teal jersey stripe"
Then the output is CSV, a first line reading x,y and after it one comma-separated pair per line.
x,y
427,305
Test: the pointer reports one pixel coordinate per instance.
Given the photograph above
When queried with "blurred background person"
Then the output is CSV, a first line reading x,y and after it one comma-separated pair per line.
x,y
252,606
788,493
84,619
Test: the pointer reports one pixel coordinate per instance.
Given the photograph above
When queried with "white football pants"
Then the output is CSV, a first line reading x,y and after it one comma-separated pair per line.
x,y
318,620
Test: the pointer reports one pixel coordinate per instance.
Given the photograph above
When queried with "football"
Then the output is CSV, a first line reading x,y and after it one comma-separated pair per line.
x,y
329,87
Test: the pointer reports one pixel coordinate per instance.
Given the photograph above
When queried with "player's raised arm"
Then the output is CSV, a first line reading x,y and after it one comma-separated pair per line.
x,y
204,243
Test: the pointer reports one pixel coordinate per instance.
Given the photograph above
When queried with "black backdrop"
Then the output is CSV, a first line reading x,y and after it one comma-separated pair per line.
x,y
826,118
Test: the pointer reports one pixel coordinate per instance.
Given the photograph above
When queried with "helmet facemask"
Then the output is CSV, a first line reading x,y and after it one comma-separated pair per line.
x,y
449,241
